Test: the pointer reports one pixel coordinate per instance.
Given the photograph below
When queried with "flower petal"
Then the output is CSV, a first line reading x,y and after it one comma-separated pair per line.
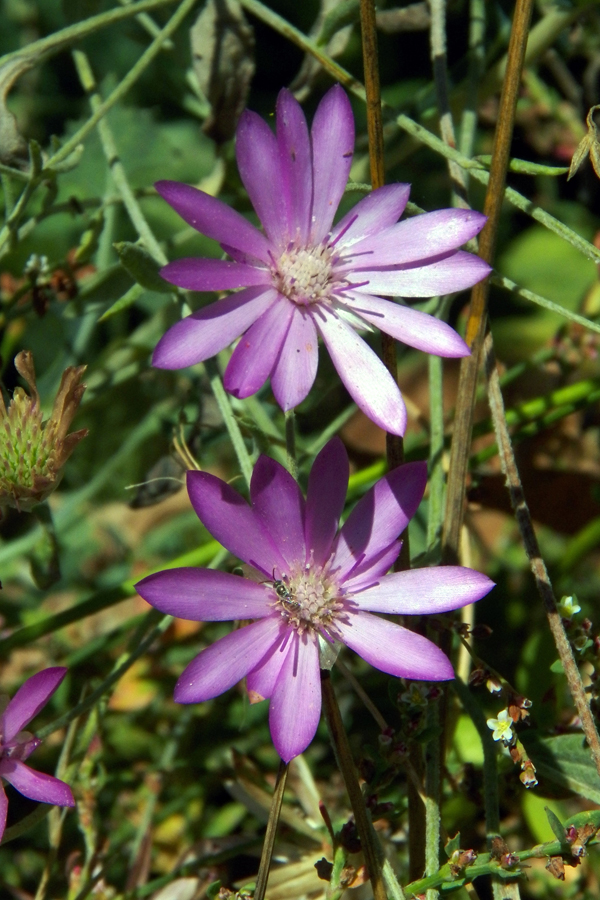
x,y
378,210
325,499
332,138
205,595
365,377
295,706
419,591
3,810
260,169
255,356
36,785
198,274
296,367
411,326
261,681
213,218
207,331
378,518
455,273
227,661
418,238
29,699
232,522
296,165
394,649
278,502
371,572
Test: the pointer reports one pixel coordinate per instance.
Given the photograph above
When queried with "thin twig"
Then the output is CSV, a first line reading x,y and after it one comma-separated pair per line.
x,y
269,842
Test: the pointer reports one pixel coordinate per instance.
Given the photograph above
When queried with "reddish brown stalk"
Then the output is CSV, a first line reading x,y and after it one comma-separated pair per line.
x,y
476,324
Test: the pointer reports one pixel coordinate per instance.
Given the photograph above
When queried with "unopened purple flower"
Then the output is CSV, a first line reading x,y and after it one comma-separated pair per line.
x,y
313,588
303,278
16,745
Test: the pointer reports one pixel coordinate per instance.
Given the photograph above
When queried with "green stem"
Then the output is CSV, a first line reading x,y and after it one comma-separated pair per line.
x,y
290,443
230,420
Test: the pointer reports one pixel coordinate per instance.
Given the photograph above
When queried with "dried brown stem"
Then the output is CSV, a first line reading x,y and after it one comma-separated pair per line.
x,y
269,842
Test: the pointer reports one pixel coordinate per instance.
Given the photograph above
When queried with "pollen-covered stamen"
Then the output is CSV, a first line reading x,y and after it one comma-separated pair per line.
x,y
305,274
308,599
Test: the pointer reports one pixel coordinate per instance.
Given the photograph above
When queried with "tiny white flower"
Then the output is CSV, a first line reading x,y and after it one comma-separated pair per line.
x,y
568,606
501,727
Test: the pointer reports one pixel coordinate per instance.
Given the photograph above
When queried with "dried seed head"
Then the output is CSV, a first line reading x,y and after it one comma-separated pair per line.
x,y
33,452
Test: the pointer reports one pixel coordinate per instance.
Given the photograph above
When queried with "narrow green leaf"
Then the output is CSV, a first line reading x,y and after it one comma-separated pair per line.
x,y
565,760
524,167
141,266
555,824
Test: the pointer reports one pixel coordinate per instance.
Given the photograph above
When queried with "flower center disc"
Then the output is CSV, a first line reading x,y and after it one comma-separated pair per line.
x,y
304,275
308,600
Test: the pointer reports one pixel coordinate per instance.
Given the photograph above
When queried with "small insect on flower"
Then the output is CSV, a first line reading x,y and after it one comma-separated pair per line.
x,y
311,588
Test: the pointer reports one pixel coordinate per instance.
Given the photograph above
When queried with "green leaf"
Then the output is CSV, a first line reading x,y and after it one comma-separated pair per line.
x,y
142,267
565,760
557,667
555,824
524,167
128,299
453,844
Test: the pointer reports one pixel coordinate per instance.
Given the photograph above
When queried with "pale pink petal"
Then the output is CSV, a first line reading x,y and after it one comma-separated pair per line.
x,y
260,169
207,331
197,274
29,699
278,503
295,706
296,366
36,785
3,810
394,649
296,165
378,518
378,210
255,356
332,138
261,681
227,661
364,376
418,238
419,591
213,218
411,326
205,595
325,499
455,273
227,516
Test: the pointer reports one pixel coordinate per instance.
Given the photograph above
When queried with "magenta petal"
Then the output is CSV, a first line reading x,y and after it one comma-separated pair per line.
x,y
419,591
213,218
419,238
455,273
332,137
296,165
232,522
3,810
394,649
29,699
295,706
378,518
253,359
36,785
227,661
365,377
207,331
261,681
378,210
260,169
278,502
197,274
204,595
411,326
373,571
325,499
296,366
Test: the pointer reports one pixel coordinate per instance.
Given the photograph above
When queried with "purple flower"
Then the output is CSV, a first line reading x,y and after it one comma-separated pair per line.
x,y
303,278
313,590
16,745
